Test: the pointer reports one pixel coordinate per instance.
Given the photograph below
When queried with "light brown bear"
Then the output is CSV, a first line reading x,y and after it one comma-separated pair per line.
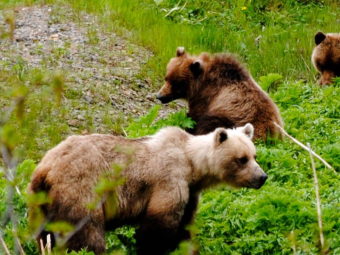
x,y
326,56
220,93
162,183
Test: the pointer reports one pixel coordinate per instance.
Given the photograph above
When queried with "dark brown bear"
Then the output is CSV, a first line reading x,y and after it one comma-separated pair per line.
x,y
163,176
326,56
220,93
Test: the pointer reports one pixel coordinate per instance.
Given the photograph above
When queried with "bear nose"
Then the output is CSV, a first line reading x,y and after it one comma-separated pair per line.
x,y
263,179
159,96
163,99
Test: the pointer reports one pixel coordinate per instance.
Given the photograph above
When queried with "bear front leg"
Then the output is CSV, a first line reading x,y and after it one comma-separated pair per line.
x,y
160,229
152,238
189,214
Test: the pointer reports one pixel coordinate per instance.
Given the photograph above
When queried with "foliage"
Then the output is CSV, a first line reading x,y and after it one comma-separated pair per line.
x,y
148,125
275,39
266,82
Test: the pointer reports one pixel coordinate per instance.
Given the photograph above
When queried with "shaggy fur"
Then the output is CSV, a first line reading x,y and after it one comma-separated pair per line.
x,y
220,93
163,177
326,56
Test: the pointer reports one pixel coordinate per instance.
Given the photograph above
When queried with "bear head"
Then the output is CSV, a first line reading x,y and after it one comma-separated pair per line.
x,y
326,56
181,72
240,168
231,158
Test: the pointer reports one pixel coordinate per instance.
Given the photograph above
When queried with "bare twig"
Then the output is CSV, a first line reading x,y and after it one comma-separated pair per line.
x,y
305,147
42,250
4,245
124,132
173,9
183,6
19,247
49,244
318,203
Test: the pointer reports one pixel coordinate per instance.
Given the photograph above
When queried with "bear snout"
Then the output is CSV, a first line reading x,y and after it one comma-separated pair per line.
x,y
263,179
164,99
258,182
326,77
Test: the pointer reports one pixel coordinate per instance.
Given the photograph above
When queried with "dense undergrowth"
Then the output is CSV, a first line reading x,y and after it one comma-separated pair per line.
x,y
270,37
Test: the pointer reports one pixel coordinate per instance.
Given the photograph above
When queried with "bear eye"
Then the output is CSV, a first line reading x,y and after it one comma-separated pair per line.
x,y
243,160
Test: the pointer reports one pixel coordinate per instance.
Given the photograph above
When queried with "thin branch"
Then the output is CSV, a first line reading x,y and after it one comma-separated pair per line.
x,y
173,9
183,6
318,203
305,147
49,244
124,132
18,244
42,247
4,245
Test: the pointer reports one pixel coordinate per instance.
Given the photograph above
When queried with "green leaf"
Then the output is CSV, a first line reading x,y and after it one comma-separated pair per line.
x,y
267,81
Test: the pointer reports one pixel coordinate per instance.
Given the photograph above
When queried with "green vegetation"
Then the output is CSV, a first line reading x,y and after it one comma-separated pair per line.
x,y
274,39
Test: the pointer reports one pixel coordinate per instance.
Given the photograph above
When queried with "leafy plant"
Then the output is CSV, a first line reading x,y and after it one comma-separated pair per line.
x,y
148,125
266,82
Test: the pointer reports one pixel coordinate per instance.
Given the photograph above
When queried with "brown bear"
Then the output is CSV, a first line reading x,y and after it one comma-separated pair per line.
x,y
326,56
163,177
220,93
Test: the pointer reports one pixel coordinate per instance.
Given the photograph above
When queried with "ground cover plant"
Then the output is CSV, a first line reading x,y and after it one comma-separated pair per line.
x,y
41,104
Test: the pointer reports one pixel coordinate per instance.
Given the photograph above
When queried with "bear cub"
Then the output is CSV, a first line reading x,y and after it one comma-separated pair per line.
x,y
163,176
326,56
220,93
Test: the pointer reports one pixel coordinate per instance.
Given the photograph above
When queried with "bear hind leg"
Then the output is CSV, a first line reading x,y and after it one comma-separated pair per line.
x,y
90,236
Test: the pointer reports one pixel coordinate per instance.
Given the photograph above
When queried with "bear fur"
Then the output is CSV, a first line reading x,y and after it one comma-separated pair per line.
x,y
326,56
220,93
163,177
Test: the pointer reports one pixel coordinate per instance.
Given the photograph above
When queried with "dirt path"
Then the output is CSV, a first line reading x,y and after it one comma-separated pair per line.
x,y
100,68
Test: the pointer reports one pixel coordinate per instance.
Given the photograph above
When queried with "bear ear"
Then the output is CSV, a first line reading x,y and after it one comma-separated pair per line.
x,y
196,67
180,51
319,37
221,135
248,130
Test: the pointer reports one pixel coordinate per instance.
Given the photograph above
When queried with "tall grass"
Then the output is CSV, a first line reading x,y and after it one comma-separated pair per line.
x,y
286,31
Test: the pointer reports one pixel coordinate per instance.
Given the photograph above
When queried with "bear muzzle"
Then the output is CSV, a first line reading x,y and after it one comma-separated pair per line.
x,y
257,182
164,99
327,77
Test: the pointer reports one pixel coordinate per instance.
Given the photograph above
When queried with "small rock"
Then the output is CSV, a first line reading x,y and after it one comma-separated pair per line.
x,y
88,99
73,123
151,97
54,37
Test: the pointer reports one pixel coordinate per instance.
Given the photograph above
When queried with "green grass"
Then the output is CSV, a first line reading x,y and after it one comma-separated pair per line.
x,y
272,220
286,31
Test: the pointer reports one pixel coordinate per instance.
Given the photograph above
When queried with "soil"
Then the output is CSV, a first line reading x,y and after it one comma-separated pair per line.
x,y
102,66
